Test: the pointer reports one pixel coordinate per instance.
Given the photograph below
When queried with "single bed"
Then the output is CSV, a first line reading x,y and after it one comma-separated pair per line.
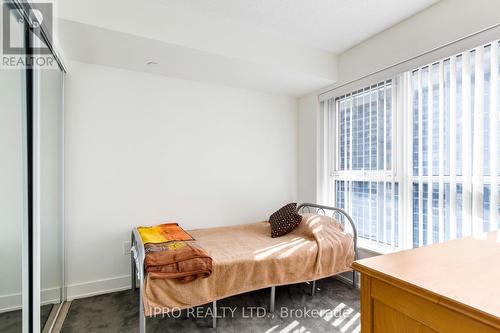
x,y
246,258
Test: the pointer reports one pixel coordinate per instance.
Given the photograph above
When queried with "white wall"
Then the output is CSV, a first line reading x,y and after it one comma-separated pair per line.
x,y
443,23
307,147
143,149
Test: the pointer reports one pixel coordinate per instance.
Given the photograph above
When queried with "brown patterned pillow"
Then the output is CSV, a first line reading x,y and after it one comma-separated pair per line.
x,y
284,220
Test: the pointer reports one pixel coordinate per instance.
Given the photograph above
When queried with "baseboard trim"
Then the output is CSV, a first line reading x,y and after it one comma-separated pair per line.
x,y
98,287
10,302
13,302
89,289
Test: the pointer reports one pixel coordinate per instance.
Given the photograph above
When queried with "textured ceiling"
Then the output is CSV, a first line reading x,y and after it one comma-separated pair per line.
x,y
284,47
333,25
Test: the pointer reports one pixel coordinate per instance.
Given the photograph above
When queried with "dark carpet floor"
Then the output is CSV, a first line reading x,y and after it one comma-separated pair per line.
x,y
11,322
334,308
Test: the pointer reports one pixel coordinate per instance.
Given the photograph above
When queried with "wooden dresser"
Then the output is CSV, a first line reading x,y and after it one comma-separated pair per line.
x,y
450,287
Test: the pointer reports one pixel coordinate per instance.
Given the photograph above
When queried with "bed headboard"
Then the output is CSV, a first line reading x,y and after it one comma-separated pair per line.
x,y
334,213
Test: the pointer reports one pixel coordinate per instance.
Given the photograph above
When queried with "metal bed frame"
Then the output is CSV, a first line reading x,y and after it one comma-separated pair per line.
x,y
138,254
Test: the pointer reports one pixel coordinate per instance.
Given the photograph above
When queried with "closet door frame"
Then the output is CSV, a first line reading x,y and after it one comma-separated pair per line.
x,y
36,179
31,289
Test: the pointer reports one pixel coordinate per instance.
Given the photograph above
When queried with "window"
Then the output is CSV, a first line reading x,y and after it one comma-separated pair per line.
x,y
363,175
455,151
443,183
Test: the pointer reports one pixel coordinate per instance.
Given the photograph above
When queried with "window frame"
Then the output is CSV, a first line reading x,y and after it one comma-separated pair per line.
x,y
392,176
402,153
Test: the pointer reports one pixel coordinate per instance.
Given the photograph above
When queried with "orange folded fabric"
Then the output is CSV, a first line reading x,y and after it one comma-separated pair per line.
x,y
181,260
171,253
163,233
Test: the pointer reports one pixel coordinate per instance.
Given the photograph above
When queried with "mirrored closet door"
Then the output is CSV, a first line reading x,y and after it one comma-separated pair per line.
x,y
13,190
48,106
31,174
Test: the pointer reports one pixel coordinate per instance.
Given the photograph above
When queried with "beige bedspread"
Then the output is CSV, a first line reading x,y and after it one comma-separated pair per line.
x,y
246,258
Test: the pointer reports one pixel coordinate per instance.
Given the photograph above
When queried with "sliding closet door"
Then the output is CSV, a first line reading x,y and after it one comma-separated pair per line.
x,y
13,192
48,101
31,178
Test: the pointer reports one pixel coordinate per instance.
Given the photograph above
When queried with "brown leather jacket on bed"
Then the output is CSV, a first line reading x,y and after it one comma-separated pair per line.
x,y
182,260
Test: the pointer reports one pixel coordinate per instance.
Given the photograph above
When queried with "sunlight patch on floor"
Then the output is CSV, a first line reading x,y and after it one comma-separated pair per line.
x,y
344,318
349,321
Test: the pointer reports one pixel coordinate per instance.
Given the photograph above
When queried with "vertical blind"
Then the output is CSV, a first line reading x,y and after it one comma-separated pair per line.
x,y
452,127
455,146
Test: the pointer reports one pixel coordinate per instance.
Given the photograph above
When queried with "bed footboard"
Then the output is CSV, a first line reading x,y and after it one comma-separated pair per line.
x,y
137,255
334,211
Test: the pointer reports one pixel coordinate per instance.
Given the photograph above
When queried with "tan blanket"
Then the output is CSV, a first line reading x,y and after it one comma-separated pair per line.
x,y
246,258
